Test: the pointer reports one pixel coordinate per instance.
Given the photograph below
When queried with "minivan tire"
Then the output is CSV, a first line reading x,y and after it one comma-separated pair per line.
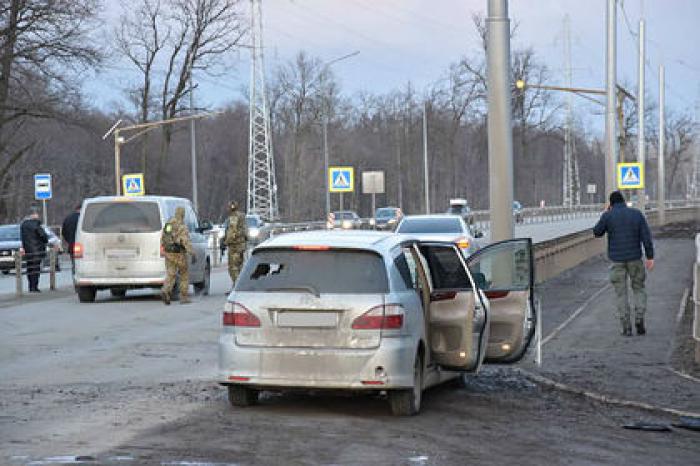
x,y
241,396
86,294
203,286
407,402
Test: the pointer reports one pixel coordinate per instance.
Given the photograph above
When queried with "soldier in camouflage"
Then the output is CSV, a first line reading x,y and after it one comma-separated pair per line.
x,y
235,240
175,241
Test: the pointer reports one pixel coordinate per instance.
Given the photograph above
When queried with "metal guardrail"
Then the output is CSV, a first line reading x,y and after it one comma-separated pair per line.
x,y
696,299
21,265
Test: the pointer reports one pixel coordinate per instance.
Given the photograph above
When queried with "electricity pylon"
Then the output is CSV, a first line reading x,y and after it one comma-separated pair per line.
x,y
262,186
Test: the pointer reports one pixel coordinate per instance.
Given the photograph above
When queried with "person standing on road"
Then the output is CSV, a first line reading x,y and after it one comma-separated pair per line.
x,y
68,229
34,241
235,240
175,241
627,231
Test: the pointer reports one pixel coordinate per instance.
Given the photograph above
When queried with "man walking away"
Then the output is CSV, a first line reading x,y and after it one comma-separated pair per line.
x,y
70,226
175,241
34,241
235,240
627,231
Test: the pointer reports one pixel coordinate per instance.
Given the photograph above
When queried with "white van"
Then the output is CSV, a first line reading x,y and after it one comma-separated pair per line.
x,y
118,245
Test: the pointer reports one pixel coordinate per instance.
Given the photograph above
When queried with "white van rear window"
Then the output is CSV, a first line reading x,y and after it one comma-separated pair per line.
x,y
121,217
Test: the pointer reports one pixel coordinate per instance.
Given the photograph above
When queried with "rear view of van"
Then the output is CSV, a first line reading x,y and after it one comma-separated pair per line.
x,y
118,244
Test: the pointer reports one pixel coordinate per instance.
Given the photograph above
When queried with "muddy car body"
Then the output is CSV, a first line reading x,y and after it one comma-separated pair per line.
x,y
371,311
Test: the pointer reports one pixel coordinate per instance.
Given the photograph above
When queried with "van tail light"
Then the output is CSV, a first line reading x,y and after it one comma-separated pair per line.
x,y
162,251
78,250
236,315
382,317
462,243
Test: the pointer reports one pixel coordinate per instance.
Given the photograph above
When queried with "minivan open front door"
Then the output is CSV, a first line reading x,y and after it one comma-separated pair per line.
x,y
458,322
505,272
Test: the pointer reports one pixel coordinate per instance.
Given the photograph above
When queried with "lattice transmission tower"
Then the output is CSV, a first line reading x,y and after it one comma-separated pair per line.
x,y
571,192
262,186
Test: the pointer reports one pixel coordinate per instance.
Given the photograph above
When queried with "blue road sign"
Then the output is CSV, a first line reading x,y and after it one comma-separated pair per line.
x,y
42,187
630,176
341,179
132,184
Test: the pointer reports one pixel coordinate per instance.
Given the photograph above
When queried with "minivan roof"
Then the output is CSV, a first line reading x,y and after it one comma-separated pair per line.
x,y
369,240
134,198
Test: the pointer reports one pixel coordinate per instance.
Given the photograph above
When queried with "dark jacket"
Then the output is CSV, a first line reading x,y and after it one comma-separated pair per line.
x,y
70,226
627,230
34,238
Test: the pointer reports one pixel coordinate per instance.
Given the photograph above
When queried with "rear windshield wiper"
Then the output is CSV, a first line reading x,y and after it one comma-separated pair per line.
x,y
307,288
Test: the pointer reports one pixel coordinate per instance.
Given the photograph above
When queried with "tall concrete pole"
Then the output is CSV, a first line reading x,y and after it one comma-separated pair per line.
x,y
325,165
661,189
500,131
611,103
426,185
117,162
640,113
193,150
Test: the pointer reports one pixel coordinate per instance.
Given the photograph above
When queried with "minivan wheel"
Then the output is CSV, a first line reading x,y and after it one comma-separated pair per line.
x,y
203,286
118,292
242,396
407,402
86,294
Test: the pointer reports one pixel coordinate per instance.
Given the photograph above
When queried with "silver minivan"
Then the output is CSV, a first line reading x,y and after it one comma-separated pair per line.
x,y
118,245
371,311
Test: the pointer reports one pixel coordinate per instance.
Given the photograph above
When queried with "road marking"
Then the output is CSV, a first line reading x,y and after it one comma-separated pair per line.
x,y
681,308
684,375
603,398
575,314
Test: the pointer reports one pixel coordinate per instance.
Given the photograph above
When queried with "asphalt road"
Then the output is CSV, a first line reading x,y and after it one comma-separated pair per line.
x,y
129,382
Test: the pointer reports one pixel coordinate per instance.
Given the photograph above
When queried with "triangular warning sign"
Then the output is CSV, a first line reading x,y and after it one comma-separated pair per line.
x,y
630,177
341,181
132,185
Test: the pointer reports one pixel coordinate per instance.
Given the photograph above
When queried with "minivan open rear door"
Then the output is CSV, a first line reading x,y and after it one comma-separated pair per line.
x,y
458,322
505,272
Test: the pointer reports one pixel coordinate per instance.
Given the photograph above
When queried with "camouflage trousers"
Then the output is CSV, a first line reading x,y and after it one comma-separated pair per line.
x,y
235,261
176,263
619,274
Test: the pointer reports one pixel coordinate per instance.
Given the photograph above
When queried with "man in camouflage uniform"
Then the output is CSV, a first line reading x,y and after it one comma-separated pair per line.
x,y
175,241
235,241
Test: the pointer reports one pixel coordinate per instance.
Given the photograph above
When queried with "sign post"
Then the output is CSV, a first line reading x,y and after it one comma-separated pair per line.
x,y
43,191
373,183
341,180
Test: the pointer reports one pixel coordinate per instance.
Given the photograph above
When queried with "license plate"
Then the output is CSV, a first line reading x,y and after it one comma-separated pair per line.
x,y
121,253
307,319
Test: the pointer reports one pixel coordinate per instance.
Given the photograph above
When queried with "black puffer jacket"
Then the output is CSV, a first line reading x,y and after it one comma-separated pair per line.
x,y
34,238
627,231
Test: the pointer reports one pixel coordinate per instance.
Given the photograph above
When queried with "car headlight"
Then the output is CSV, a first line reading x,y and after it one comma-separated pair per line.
x,y
391,221
347,224
372,222
253,232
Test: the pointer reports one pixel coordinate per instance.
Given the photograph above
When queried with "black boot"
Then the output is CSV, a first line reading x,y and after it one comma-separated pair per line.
x,y
639,324
626,328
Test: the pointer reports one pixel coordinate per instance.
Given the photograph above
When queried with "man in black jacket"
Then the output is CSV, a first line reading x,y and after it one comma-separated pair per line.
x,y
70,226
627,231
34,240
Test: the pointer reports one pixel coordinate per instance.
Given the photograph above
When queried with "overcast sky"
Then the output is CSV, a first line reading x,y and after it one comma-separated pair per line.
x,y
415,40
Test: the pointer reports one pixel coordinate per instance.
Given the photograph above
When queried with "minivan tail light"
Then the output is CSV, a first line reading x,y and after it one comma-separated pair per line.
x,y
78,250
236,315
382,317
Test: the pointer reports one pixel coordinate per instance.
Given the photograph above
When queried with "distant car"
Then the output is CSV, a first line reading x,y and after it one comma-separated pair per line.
x,y
386,218
518,212
347,220
10,241
461,208
441,227
256,231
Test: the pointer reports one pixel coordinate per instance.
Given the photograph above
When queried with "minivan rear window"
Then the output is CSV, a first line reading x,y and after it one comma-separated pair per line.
x,y
315,272
121,217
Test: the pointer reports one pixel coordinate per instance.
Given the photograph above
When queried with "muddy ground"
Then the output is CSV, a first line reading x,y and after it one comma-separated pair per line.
x,y
130,384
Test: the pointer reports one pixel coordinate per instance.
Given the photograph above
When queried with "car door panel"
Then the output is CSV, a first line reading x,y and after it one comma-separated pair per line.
x,y
506,271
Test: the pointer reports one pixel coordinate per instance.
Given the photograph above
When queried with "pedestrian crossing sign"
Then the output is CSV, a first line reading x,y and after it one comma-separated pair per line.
x,y
132,184
630,176
341,179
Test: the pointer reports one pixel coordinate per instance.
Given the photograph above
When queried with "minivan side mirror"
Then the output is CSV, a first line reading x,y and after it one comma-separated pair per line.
x,y
204,225
478,234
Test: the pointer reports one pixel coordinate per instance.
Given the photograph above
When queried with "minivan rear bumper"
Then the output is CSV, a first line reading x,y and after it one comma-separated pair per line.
x,y
389,366
120,281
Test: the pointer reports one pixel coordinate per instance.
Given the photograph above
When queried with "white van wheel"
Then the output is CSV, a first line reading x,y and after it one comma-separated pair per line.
x,y
203,286
86,294
407,402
